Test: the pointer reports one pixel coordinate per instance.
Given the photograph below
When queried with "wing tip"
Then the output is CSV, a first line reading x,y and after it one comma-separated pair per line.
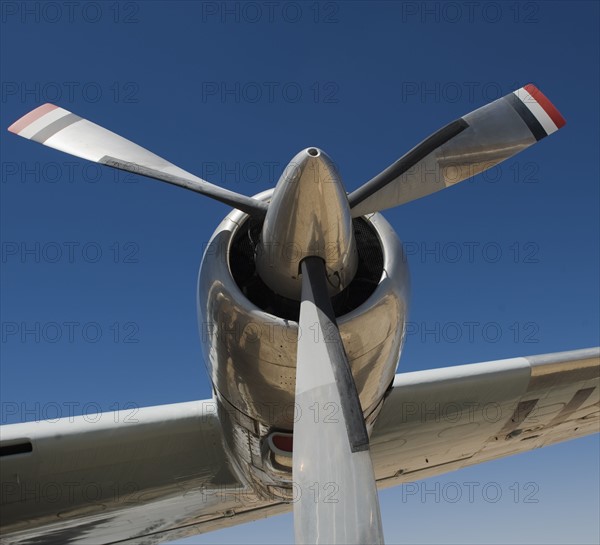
x,y
30,117
546,105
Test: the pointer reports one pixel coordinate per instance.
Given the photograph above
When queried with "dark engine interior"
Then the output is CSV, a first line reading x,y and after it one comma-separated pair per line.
x,y
243,270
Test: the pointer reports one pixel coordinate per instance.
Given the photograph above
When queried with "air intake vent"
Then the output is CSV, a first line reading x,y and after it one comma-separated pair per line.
x,y
366,279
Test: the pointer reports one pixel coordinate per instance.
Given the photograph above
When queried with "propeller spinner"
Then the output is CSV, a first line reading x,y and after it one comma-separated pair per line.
x,y
308,216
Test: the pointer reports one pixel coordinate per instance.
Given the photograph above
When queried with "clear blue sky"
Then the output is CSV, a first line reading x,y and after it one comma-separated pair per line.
x,y
232,91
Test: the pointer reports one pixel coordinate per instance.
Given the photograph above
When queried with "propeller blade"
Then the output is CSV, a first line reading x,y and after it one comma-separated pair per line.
x,y
465,147
65,131
336,497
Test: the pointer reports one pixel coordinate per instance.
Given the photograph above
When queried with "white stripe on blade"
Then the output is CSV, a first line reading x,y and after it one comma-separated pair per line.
x,y
539,112
43,122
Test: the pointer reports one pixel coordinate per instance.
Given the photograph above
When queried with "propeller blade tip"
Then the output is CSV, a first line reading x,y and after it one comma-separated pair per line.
x,y
29,118
546,105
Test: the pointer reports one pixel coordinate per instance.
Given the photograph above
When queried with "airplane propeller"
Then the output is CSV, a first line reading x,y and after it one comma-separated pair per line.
x,y
470,145
336,496
335,490
62,130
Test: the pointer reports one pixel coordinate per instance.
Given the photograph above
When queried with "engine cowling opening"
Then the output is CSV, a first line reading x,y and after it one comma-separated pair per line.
x,y
243,269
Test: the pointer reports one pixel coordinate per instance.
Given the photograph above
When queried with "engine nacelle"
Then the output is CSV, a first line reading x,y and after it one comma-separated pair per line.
x,y
249,336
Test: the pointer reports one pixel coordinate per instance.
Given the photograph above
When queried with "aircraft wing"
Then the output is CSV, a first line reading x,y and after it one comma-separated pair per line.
x,y
440,420
161,473
140,476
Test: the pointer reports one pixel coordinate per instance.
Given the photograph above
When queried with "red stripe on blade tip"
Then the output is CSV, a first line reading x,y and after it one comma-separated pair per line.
x,y
32,116
548,107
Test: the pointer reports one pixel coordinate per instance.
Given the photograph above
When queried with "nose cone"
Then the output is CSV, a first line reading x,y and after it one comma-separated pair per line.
x,y
308,216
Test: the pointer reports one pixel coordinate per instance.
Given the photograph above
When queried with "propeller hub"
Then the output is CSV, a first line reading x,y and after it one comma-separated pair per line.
x,y
308,215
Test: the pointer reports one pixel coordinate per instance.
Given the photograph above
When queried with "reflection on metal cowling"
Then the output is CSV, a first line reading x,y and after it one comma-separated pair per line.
x,y
249,334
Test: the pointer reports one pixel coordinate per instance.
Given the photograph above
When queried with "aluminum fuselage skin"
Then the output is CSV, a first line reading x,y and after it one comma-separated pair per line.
x,y
250,354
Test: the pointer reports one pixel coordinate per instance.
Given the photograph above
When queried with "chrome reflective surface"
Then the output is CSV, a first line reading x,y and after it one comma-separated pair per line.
x,y
308,216
251,354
